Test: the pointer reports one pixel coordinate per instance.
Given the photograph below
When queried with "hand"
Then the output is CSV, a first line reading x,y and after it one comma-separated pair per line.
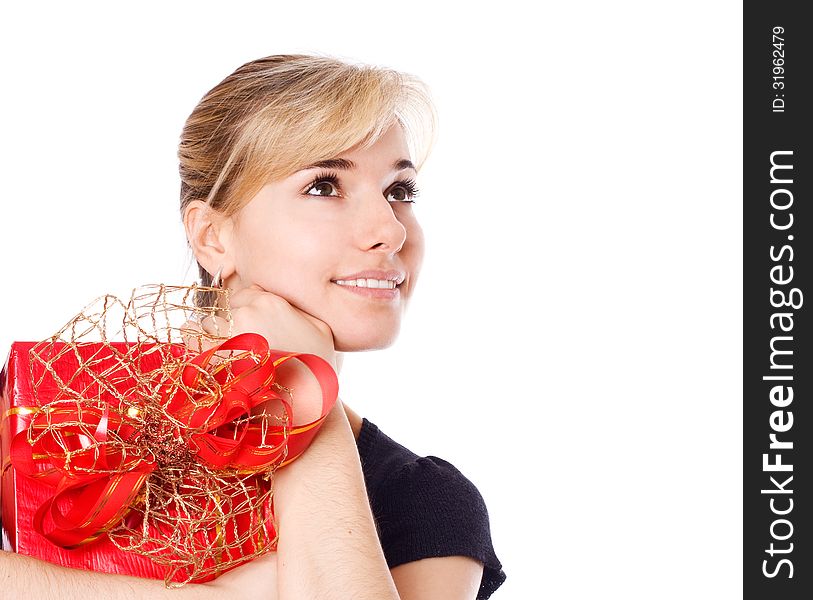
x,y
286,328
255,579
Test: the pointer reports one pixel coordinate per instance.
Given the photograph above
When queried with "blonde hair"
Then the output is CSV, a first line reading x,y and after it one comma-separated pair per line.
x,y
275,115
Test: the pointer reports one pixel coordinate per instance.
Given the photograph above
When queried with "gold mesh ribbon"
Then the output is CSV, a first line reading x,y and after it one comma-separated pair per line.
x,y
158,434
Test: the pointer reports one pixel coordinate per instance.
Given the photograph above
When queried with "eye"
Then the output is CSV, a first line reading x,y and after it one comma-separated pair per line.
x,y
403,191
324,185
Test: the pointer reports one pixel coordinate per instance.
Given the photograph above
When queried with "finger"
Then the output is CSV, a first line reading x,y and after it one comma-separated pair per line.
x,y
190,334
194,336
216,326
249,295
245,296
320,325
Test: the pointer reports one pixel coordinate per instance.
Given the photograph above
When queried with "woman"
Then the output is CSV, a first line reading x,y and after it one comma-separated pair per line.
x,y
297,177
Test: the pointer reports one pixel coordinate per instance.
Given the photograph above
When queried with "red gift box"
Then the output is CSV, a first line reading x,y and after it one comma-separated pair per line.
x,y
22,496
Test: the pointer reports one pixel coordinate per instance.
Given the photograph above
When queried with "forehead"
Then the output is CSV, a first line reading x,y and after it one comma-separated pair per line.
x,y
391,146
390,152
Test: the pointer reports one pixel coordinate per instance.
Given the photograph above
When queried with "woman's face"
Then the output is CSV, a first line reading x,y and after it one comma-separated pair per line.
x,y
299,235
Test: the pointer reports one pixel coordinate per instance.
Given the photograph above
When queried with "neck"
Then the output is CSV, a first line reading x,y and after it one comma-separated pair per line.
x,y
352,416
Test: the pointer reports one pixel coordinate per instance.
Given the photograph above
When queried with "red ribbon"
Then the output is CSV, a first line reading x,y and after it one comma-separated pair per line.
x,y
93,451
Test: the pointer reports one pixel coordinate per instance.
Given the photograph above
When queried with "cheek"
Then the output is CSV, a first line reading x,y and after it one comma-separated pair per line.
x,y
414,247
290,261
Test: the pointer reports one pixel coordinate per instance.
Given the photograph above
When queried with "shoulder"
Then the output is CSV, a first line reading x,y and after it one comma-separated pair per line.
x,y
425,507
380,456
398,480
429,500
433,482
393,473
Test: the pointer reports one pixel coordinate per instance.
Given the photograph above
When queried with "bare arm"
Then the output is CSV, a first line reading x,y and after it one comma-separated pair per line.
x,y
26,577
439,578
328,546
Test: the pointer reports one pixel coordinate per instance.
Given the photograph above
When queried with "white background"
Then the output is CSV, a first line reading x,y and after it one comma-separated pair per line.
x,y
575,343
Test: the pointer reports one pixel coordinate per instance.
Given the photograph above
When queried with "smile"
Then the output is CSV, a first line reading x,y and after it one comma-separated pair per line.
x,y
382,293
368,283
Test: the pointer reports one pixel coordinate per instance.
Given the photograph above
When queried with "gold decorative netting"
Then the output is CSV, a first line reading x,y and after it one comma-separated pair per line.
x,y
159,431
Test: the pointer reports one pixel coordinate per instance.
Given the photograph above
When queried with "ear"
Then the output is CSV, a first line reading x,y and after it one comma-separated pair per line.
x,y
209,234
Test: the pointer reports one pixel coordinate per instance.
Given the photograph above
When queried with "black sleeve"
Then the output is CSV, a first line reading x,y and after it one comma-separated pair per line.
x,y
432,510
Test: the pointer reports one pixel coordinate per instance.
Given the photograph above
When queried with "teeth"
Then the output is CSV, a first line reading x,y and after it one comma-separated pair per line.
x,y
368,283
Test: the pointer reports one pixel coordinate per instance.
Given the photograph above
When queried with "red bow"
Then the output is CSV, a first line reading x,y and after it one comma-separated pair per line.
x,y
99,452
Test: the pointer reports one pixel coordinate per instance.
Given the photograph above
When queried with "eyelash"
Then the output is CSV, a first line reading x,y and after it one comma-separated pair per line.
x,y
333,179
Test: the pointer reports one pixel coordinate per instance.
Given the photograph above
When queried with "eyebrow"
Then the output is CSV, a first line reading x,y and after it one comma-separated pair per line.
x,y
343,164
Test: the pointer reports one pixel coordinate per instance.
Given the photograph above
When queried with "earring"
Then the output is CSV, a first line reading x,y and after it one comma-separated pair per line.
x,y
216,283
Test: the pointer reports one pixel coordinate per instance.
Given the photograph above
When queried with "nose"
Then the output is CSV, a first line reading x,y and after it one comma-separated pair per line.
x,y
378,225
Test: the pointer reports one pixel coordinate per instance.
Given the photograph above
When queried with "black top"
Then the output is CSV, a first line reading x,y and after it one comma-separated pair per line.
x,y
424,507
